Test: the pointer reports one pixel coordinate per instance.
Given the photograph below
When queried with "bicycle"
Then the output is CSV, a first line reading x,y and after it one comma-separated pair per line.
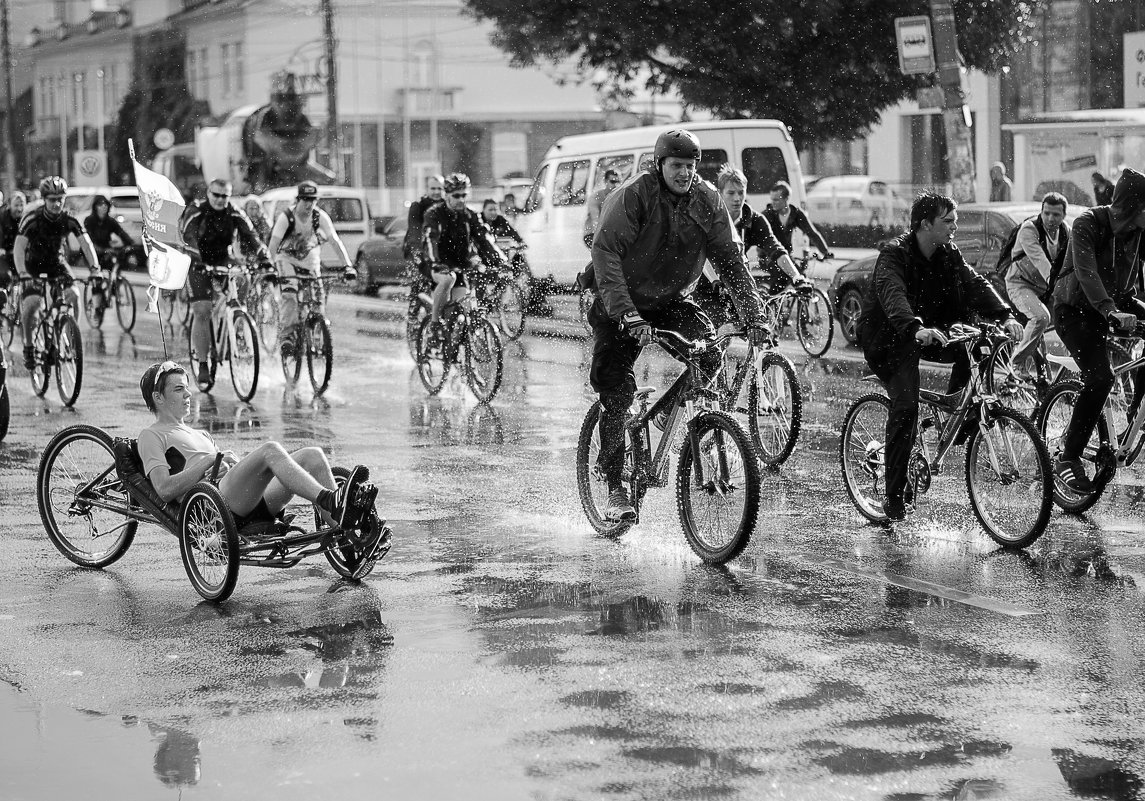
x,y
56,340
233,338
500,298
773,404
1117,438
466,328
97,298
313,334
1007,465
10,313
717,473
813,318
177,303
262,303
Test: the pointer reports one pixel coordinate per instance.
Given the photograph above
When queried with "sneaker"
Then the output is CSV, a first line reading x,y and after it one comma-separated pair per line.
x,y
894,510
204,377
345,510
363,502
620,508
1071,473
29,358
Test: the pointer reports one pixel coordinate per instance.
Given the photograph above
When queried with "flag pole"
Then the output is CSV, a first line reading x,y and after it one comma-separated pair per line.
x,y
147,257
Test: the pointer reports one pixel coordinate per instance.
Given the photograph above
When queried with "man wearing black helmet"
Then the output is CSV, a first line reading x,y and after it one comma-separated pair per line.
x,y
37,251
654,235
451,231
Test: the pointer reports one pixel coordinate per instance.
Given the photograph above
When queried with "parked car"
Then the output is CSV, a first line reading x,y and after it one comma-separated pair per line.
x,y
982,230
855,200
348,209
379,259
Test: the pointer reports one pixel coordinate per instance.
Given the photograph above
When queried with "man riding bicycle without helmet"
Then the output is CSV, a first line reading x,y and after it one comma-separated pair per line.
x,y
655,233
451,233
41,236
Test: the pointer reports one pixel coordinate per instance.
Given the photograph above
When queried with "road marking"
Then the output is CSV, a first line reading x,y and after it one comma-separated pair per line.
x,y
918,585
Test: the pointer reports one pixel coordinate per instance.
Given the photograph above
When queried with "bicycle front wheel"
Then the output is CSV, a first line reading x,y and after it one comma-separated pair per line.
x,y
718,499
5,410
416,311
590,480
774,409
484,360
244,356
862,454
41,371
319,353
124,297
1002,381
69,360
94,303
1009,478
432,358
264,309
1053,419
813,324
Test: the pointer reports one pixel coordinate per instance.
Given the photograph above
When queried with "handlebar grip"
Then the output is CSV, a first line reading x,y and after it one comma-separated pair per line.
x,y
215,467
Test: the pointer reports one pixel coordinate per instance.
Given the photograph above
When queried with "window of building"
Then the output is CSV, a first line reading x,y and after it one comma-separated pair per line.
x,y
622,164
193,72
510,153
422,64
226,67
570,185
204,75
240,70
764,168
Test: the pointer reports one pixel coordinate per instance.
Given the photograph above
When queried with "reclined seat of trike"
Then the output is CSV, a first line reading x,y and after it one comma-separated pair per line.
x,y
129,467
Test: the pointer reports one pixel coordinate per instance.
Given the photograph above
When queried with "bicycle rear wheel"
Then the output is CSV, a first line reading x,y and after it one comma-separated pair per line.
x,y
813,323
5,410
319,353
75,483
484,360
1008,478
1053,418
862,454
774,409
433,359
209,543
416,311
94,302
69,360
243,355
718,508
1003,382
590,481
511,311
124,296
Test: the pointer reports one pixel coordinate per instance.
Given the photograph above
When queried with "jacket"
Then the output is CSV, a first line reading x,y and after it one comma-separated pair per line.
x,y
100,231
211,232
907,293
650,248
415,240
795,219
1032,264
756,232
451,236
1103,263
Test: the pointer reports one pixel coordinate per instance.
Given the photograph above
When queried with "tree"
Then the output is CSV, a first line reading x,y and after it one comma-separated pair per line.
x,y
827,68
158,98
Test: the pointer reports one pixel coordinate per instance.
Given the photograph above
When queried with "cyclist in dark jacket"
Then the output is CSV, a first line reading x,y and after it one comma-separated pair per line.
x,y
497,223
451,233
100,226
921,285
785,218
1099,278
414,244
654,235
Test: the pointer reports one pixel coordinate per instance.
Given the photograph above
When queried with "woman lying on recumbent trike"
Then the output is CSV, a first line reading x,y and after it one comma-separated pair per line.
x,y
256,487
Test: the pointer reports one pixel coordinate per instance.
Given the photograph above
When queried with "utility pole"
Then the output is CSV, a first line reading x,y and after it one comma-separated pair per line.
x,y
331,87
9,108
955,114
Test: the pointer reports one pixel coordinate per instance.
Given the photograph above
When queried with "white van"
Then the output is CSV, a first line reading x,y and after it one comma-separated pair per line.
x,y
574,167
348,210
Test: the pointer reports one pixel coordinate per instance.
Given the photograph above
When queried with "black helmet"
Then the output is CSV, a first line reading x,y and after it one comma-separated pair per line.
x,y
456,182
678,143
53,185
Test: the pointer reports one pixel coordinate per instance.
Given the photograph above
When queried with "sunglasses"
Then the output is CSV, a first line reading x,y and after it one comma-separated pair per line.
x,y
53,198
307,199
220,195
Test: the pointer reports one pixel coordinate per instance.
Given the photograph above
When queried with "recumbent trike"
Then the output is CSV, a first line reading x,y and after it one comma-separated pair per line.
x,y
93,494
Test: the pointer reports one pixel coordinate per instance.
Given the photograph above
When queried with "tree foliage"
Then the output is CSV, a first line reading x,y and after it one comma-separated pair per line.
x,y
158,98
827,68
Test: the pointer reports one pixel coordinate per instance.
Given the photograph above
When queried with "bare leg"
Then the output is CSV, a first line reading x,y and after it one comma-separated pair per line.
x,y
444,285
201,328
314,462
28,308
245,484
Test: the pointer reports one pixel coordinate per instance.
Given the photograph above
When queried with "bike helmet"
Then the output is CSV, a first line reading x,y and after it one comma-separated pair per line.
x,y
456,182
679,143
53,185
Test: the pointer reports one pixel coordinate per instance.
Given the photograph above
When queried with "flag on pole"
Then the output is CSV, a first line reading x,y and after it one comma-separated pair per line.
x,y
162,206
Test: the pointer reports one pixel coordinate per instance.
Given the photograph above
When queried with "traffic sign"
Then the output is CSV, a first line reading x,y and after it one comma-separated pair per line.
x,y
164,138
915,44
90,167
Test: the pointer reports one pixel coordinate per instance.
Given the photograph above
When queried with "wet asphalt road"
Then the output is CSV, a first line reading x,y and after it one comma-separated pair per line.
x,y
504,651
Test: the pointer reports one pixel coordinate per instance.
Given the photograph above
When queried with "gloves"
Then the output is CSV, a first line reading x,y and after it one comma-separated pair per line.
x,y
830,254
801,282
638,328
1013,328
349,273
930,336
1122,322
759,337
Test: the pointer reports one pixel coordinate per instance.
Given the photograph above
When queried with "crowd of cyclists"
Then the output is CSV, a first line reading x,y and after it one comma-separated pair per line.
x,y
668,254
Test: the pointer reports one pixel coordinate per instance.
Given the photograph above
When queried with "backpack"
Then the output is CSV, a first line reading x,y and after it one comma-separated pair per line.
x,y
289,212
1006,257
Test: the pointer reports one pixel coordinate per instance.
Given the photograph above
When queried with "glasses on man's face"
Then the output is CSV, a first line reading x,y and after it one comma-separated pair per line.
x,y
306,199
53,198
459,195
220,195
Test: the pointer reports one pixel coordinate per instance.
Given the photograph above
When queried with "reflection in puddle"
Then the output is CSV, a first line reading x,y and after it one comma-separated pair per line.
x,y
177,758
347,651
852,761
1094,777
688,757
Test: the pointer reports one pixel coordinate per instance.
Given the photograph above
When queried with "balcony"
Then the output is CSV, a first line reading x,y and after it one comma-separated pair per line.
x,y
417,101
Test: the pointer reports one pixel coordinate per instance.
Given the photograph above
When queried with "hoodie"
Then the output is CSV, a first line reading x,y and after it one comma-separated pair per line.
x,y
1103,262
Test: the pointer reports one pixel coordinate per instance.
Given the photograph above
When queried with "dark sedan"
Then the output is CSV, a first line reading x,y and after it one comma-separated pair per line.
x,y
379,260
982,229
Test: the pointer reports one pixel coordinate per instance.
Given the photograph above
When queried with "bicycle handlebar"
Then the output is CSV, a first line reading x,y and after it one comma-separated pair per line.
x,y
667,336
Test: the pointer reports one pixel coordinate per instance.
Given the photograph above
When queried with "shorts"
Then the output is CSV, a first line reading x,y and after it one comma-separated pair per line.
x,y
259,514
59,274
199,283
